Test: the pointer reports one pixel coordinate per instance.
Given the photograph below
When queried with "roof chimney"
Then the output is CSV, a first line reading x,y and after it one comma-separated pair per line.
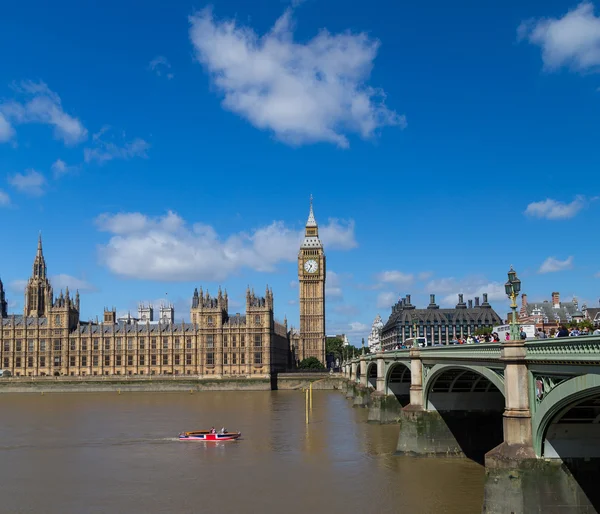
x,y
556,300
477,301
524,300
470,304
408,299
432,304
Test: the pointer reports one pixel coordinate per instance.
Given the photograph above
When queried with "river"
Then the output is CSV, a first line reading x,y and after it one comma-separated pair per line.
x,y
109,452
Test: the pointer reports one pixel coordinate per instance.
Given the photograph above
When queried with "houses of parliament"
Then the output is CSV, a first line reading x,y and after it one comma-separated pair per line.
x,y
50,339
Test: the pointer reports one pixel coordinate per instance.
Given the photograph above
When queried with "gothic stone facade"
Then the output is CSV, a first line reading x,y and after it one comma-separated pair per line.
x,y
49,339
311,280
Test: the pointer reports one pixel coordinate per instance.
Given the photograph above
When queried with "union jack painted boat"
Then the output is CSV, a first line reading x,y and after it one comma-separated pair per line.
x,y
206,435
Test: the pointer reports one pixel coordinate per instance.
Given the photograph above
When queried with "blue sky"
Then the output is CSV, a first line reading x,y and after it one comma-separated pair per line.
x,y
160,147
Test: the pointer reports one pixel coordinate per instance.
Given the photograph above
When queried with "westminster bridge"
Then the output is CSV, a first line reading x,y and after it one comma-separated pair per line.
x,y
530,411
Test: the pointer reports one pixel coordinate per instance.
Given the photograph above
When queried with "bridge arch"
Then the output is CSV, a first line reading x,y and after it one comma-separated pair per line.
x,y
565,424
456,378
357,377
397,379
372,374
469,401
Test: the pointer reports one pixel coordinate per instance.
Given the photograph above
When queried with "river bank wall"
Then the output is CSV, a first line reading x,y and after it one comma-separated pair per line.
x,y
281,381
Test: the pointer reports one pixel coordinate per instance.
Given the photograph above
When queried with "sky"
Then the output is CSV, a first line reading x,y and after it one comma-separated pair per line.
x,y
160,147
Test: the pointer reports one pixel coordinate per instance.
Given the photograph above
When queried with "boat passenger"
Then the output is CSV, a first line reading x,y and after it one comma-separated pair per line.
x,y
213,431
223,430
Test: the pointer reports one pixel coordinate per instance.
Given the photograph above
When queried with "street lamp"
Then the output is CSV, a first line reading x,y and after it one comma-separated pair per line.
x,y
415,330
512,288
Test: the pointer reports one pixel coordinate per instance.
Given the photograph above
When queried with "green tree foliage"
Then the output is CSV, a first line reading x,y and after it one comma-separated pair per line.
x,y
582,325
311,363
335,346
483,331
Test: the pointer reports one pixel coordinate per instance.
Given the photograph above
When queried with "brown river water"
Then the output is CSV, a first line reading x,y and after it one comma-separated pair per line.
x,y
111,453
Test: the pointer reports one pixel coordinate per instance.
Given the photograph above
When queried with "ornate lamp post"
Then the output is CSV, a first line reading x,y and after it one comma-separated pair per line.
x,y
512,288
415,330
363,345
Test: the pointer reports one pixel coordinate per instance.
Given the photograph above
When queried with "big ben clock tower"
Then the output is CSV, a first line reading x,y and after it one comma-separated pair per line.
x,y
311,277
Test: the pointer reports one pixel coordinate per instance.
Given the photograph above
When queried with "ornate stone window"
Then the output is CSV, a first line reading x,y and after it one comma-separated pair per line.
x,y
57,320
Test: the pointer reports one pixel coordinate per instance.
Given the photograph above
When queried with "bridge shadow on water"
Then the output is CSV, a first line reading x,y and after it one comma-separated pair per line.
x,y
476,432
587,474
573,437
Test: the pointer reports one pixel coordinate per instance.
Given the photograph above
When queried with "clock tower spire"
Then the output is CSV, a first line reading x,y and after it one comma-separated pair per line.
x,y
311,279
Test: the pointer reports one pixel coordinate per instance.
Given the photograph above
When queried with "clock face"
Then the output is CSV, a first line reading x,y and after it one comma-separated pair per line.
x,y
311,266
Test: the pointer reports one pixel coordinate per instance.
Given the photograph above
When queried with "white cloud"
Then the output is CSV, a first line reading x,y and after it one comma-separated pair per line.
x,y
160,65
346,310
395,277
597,275
104,151
386,299
552,264
333,286
6,130
293,284
425,275
337,234
59,282
18,286
60,168
354,330
62,281
554,209
31,182
4,199
44,106
167,248
573,40
470,287
304,93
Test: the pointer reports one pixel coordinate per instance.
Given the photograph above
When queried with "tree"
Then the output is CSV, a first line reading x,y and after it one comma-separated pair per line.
x,y
334,345
481,331
311,363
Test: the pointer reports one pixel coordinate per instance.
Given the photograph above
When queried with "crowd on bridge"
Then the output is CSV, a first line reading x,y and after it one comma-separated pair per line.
x,y
563,331
493,337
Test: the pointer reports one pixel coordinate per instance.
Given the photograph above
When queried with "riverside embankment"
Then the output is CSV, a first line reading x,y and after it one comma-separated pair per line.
x,y
166,383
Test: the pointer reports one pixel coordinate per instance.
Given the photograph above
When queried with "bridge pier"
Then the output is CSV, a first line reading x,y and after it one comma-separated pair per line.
x,y
350,389
362,396
380,383
516,480
363,371
384,408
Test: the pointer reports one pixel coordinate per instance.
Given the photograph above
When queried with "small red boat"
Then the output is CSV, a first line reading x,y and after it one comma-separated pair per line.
x,y
207,435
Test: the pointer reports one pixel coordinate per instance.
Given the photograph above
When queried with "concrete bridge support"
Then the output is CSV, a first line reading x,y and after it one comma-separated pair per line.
x,y
516,480
384,408
380,387
363,371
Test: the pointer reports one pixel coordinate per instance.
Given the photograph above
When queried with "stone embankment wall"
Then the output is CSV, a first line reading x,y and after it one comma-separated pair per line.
x,y
111,384
319,381
283,381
